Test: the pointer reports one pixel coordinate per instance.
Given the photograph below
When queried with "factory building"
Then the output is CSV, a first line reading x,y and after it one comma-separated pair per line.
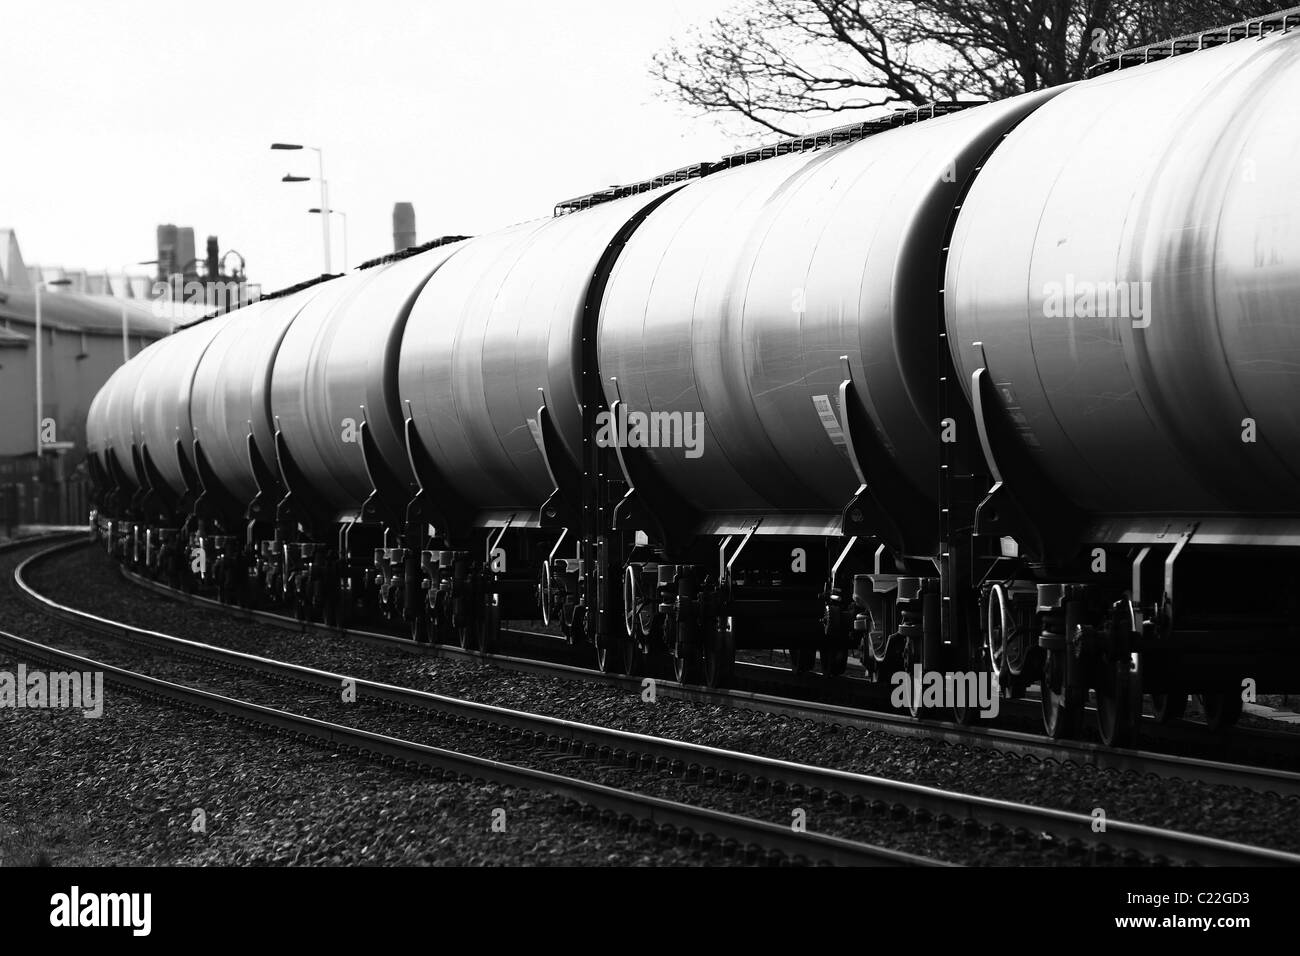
x,y
81,344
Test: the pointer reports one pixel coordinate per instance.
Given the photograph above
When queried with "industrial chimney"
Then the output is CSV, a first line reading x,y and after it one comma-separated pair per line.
x,y
167,252
403,226
212,259
185,258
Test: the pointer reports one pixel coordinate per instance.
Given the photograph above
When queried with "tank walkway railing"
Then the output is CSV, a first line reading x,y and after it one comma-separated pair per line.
x,y
849,133
1282,20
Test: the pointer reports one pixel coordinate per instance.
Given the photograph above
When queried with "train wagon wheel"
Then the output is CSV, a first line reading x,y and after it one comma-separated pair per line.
x,y
1169,707
1221,710
686,668
966,704
683,637
656,654
1116,717
1119,690
1061,707
720,653
577,632
1119,703
609,658
632,601
545,592
998,629
1009,647
634,657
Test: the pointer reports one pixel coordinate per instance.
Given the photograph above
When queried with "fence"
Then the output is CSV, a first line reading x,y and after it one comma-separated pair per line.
x,y
44,492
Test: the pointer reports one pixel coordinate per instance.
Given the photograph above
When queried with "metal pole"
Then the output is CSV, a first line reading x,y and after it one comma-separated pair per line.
x,y
345,241
324,205
39,381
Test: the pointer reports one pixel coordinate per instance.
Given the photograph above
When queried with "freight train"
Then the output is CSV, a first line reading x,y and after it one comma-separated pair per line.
x,y
1008,388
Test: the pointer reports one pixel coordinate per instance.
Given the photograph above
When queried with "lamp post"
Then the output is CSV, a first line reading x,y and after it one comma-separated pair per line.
x,y
336,212
40,380
324,193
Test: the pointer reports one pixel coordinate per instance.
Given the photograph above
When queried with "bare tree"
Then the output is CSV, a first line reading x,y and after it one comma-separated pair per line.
x,y
774,62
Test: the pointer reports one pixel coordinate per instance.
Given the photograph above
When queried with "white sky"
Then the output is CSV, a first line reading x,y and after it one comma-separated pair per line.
x,y
121,115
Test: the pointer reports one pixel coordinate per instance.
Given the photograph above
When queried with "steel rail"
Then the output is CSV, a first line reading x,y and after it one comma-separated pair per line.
x,y
763,773
623,805
1016,743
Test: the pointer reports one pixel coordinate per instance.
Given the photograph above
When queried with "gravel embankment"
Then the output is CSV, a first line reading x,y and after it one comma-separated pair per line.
x,y
424,729
86,579
122,789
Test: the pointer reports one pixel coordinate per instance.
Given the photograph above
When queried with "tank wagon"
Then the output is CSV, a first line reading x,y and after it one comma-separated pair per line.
x,y
1006,389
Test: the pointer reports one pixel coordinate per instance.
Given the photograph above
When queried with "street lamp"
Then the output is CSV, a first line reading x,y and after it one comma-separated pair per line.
x,y
324,193
336,212
40,380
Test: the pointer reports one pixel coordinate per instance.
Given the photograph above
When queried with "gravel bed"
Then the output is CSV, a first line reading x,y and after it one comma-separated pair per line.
x,y
313,702
86,579
122,789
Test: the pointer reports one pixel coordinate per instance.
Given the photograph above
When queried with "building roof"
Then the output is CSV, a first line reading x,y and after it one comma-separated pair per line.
x,y
69,311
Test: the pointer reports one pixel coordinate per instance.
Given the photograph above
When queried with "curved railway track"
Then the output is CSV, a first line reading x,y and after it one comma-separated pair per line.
x,y
756,840
971,814
1176,766
751,836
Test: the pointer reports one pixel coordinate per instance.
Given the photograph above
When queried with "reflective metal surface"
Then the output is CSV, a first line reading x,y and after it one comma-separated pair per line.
x,y
499,321
736,299
161,404
1167,191
108,421
1181,175
114,427
339,354
336,469
232,390
95,431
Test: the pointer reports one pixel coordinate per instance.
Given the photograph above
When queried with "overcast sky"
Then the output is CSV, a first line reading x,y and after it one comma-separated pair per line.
x,y
121,115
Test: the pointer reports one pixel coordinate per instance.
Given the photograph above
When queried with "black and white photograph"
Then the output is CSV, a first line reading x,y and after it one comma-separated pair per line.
x,y
704,434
